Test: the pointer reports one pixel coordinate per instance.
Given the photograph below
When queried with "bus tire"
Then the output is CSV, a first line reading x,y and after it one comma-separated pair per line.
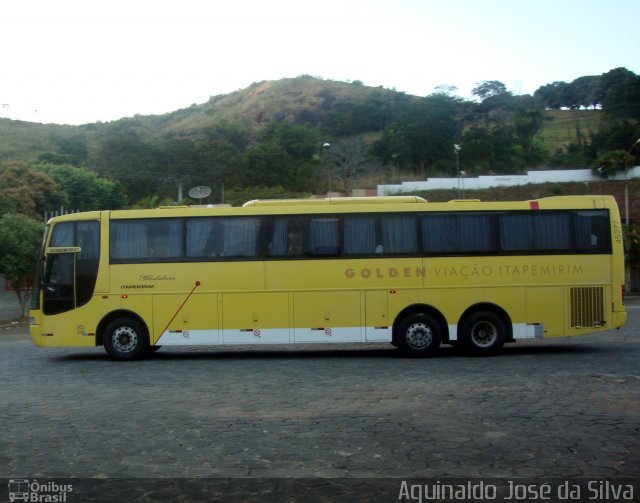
x,y
125,339
419,335
483,333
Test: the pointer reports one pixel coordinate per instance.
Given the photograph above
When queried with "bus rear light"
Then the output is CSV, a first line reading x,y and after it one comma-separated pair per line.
x,y
622,292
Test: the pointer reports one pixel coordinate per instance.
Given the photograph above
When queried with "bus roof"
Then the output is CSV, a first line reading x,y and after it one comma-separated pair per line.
x,y
347,204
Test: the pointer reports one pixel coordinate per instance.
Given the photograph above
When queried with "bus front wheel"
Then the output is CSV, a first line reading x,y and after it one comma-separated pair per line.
x,y
125,339
419,335
483,332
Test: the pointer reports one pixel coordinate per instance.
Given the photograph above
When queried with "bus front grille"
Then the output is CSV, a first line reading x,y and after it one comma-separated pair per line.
x,y
587,307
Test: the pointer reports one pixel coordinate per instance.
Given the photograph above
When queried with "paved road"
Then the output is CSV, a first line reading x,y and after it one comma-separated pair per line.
x,y
549,408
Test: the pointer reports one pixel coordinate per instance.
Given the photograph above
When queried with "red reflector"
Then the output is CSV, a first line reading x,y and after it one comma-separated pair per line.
x,y
534,205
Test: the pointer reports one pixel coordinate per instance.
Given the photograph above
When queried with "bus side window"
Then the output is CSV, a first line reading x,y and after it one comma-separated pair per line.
x,y
278,242
128,240
287,238
323,236
400,233
241,237
592,231
296,243
360,236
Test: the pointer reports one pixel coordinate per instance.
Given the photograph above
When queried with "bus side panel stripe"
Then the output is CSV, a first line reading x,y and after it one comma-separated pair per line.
x,y
272,336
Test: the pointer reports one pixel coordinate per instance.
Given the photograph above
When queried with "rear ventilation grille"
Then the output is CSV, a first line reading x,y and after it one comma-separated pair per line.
x,y
587,307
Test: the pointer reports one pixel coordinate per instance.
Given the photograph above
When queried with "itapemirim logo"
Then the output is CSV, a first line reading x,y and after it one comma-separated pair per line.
x,y
34,492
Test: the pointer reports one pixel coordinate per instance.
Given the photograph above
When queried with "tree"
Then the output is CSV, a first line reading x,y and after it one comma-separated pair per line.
x,y
485,150
528,118
349,159
588,91
73,147
222,148
27,191
552,95
84,189
134,162
20,238
615,160
617,91
621,89
374,114
447,89
423,135
488,89
286,156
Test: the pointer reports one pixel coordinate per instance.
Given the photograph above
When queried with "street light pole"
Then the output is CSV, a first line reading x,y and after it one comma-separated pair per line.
x,y
325,149
456,150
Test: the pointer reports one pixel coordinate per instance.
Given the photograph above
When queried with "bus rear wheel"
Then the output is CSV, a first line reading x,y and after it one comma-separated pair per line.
x,y
125,339
419,335
483,333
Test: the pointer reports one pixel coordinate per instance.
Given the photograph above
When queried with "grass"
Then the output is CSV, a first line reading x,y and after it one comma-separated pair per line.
x,y
563,127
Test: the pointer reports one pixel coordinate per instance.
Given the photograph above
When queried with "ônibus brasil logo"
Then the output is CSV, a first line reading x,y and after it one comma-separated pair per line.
x,y
35,492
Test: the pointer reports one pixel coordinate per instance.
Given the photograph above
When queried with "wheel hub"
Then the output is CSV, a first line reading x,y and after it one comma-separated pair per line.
x,y
125,339
419,336
484,334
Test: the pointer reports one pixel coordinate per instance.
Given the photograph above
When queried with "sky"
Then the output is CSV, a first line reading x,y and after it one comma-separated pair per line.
x,y
83,61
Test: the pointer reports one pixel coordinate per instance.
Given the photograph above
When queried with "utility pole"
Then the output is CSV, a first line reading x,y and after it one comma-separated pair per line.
x,y
325,149
456,149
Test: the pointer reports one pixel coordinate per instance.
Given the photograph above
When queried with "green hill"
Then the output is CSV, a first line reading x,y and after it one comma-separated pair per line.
x,y
301,100
222,137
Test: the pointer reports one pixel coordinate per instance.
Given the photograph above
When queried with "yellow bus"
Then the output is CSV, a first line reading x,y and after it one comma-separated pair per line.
x,y
392,269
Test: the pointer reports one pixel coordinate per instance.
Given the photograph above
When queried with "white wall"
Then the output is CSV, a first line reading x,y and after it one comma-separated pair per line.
x,y
485,182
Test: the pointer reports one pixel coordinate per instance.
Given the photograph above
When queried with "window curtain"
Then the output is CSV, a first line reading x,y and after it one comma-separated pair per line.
x,y
324,236
551,232
516,232
474,233
359,235
439,233
88,239
399,234
241,237
279,238
173,238
128,240
199,231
